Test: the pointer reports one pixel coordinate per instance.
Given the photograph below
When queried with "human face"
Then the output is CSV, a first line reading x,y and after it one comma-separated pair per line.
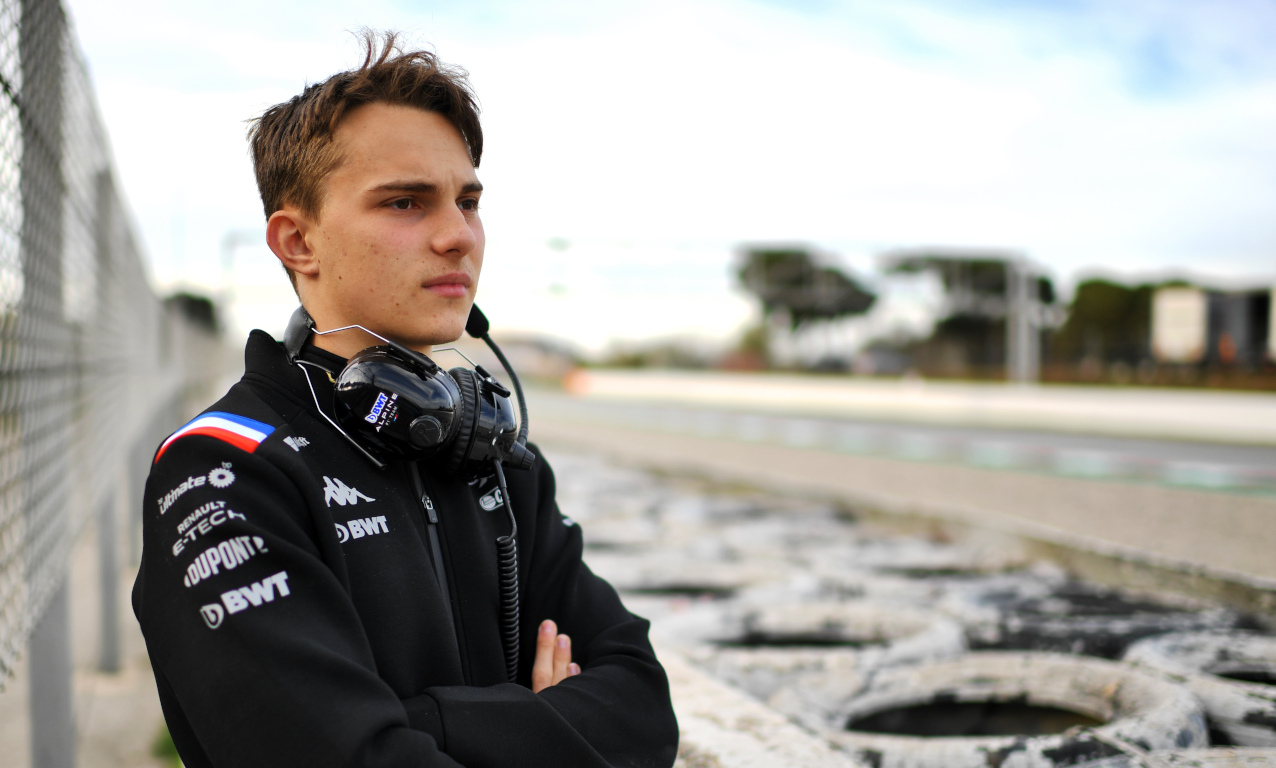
x,y
398,244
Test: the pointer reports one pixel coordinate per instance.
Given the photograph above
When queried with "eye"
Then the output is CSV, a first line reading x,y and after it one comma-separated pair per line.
x,y
468,204
402,204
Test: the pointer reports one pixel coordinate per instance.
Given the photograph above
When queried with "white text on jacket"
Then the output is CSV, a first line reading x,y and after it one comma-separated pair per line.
x,y
256,593
228,554
357,529
218,517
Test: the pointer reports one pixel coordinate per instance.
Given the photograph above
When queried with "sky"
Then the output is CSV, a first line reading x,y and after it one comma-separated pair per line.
x,y
631,148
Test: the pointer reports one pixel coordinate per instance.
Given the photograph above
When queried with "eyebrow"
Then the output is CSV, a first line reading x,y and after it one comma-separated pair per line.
x,y
421,187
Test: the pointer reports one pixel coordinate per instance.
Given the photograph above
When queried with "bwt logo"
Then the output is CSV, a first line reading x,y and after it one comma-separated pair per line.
x,y
357,529
236,600
371,418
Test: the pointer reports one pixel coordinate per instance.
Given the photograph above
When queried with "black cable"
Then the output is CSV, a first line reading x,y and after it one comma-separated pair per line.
x,y
518,388
507,570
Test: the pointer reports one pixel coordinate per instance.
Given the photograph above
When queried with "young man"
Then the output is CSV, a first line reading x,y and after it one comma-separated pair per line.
x,y
303,605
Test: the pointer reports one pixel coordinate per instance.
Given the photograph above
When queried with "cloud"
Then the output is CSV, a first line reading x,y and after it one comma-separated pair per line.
x,y
1135,136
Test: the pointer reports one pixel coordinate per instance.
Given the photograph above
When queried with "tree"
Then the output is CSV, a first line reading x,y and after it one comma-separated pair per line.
x,y
787,278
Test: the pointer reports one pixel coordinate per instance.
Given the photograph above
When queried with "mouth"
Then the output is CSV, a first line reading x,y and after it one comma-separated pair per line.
x,y
454,285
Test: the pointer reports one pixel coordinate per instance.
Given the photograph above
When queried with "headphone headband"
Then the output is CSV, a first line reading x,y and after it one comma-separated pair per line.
x,y
300,326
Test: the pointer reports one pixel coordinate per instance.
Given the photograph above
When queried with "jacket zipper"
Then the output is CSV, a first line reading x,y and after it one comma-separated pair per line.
x,y
436,552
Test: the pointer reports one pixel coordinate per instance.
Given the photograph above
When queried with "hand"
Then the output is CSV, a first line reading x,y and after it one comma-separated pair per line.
x,y
553,658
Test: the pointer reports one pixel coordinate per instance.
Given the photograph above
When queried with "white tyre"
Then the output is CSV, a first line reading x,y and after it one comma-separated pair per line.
x,y
1013,710
762,648
1228,672
1222,757
1074,618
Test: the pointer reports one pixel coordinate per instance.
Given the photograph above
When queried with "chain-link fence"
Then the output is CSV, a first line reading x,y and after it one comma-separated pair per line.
x,y
93,367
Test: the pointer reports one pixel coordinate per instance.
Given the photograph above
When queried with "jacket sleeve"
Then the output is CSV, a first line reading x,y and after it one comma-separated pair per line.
x,y
619,706
250,632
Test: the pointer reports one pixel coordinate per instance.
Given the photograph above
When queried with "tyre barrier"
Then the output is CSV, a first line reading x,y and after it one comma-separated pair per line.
x,y
671,575
792,535
762,648
1074,618
979,591
917,557
998,710
1232,673
1191,758
721,727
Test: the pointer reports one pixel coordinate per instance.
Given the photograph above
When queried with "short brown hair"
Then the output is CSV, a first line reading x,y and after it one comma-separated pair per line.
x,y
292,143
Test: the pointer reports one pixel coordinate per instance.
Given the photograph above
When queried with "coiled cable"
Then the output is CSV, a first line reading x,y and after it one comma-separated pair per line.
x,y
507,573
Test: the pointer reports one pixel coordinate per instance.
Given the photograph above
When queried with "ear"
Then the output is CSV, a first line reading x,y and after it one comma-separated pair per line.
x,y
286,232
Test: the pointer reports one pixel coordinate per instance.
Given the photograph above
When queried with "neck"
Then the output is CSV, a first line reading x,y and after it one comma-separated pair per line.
x,y
350,342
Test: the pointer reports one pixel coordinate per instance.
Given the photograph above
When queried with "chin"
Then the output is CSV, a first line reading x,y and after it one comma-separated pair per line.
x,y
441,333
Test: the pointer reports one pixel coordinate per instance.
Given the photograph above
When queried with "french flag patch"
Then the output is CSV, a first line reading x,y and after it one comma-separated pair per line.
x,y
240,432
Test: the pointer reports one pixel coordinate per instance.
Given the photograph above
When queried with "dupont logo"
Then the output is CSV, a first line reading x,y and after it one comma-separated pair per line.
x,y
229,554
377,407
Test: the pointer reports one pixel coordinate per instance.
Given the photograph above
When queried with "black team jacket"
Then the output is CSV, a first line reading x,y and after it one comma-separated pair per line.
x,y
294,613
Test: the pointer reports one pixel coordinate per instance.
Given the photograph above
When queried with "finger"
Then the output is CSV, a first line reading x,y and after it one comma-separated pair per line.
x,y
543,666
562,657
573,669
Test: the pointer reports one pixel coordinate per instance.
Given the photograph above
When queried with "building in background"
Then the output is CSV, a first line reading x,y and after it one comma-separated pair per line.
x,y
1172,332
995,311
1192,325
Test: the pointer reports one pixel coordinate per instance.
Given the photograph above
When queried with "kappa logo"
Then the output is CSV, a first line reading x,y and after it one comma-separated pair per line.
x,y
335,490
229,554
220,477
296,443
491,500
213,615
358,528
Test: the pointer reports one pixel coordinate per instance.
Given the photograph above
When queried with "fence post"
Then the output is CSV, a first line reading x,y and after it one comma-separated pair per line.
x,y
52,704
109,578
1023,344
41,42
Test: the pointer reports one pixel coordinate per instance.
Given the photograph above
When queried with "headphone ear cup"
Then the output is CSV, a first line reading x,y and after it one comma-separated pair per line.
x,y
467,381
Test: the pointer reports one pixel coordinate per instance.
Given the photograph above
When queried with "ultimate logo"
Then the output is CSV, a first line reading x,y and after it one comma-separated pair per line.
x,y
220,477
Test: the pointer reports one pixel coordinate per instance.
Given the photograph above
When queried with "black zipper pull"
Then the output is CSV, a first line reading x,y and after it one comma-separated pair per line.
x,y
429,508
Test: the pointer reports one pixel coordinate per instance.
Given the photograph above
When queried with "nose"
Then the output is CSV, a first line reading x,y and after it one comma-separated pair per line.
x,y
454,233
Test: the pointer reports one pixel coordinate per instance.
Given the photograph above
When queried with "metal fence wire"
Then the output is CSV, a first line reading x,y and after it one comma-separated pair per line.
x,y
94,368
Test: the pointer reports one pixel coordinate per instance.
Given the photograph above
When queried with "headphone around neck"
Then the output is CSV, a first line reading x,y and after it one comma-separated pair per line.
x,y
392,402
